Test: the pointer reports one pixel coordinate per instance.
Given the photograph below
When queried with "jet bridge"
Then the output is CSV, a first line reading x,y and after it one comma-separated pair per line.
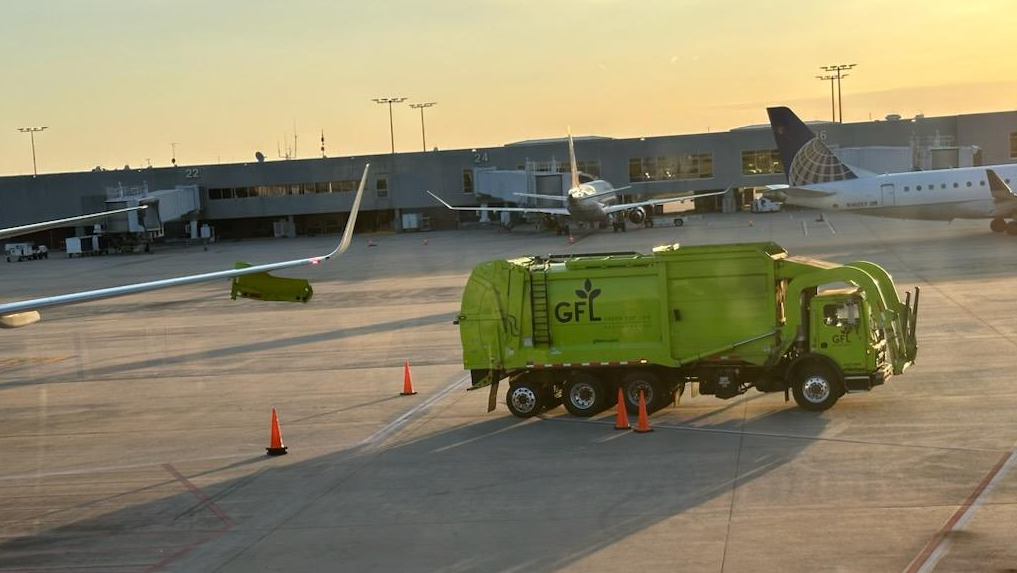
x,y
137,229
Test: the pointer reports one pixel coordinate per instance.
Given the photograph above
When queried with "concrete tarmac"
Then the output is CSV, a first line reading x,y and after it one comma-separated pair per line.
x,y
132,430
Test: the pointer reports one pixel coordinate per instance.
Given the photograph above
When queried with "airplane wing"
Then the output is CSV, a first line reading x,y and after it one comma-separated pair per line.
x,y
539,196
68,222
546,210
23,313
807,193
647,203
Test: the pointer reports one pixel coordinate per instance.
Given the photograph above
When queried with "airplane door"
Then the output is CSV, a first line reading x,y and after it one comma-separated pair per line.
x,y
889,197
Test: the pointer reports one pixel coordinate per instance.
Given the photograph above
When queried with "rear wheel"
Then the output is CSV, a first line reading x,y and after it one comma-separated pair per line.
x,y
655,392
816,387
525,399
585,395
997,225
678,222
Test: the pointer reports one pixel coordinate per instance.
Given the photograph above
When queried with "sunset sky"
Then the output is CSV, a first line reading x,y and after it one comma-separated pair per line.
x,y
118,81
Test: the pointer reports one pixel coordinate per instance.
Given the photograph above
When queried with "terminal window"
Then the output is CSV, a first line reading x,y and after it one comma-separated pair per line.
x,y
690,166
761,162
382,187
1013,144
467,181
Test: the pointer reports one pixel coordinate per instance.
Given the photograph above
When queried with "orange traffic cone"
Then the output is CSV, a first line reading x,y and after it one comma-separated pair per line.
x,y
275,445
643,424
621,420
407,381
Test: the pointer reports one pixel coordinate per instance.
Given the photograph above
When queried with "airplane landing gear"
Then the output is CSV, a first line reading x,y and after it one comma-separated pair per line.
x,y
997,225
1011,228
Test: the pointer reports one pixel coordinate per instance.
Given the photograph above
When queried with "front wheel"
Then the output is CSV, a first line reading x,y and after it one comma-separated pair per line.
x,y
997,225
816,387
525,399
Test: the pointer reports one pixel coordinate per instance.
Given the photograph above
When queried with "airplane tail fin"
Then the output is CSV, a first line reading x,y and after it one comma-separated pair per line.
x,y
806,158
1001,192
572,161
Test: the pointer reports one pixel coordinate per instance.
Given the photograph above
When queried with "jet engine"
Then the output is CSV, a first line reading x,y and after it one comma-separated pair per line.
x,y
637,215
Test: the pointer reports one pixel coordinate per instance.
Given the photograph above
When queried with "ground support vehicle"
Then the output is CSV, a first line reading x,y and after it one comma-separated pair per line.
x,y
86,246
25,252
764,205
574,328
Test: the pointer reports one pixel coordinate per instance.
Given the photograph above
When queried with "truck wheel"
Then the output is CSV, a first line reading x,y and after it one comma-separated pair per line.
x,y
654,391
678,222
585,395
997,225
525,399
816,387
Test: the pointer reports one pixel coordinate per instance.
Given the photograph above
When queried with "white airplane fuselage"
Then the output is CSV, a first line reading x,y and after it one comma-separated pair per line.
x,y
941,195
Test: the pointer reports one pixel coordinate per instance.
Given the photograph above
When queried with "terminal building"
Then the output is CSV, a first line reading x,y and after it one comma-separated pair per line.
x,y
314,196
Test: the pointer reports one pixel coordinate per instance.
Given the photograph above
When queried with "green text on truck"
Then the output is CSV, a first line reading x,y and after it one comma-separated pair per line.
x,y
573,329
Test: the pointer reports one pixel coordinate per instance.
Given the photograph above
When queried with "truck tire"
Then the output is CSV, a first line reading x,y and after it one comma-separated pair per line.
x,y
525,399
816,387
654,391
585,395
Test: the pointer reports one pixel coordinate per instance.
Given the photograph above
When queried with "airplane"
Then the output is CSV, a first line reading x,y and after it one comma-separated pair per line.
x,y
67,222
594,201
817,178
248,281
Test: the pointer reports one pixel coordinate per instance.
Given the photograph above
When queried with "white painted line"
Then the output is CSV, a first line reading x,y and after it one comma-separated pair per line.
x,y
829,224
940,545
420,408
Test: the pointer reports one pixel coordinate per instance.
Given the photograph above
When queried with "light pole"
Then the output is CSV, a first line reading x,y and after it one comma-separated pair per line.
x,y
390,101
31,133
838,68
833,104
173,147
421,106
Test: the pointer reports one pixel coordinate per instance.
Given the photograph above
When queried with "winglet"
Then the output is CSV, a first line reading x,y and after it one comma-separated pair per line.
x,y
572,159
352,222
1000,190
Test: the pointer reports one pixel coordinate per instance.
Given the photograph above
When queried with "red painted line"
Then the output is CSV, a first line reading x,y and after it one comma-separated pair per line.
x,y
201,496
919,561
207,502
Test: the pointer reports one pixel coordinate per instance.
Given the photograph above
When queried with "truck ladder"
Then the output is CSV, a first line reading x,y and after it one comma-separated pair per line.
x,y
538,304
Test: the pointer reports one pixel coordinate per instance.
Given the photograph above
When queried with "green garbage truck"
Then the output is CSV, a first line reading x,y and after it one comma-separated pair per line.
x,y
573,329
